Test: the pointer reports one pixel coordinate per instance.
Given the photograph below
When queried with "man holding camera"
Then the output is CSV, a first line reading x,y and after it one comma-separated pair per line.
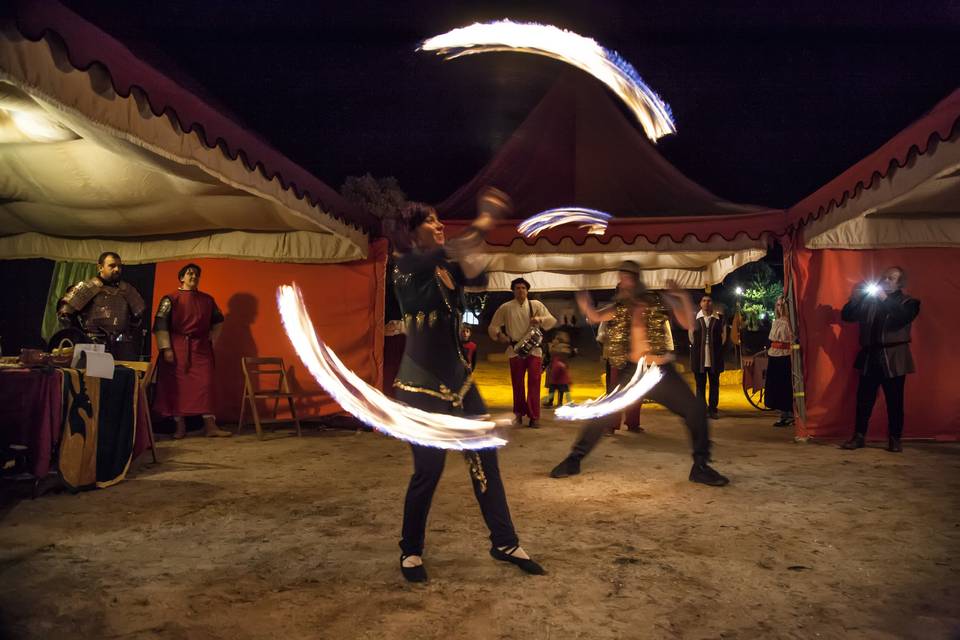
x,y
885,315
511,323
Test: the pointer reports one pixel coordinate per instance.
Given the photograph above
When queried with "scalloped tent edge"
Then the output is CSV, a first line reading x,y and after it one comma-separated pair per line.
x,y
181,134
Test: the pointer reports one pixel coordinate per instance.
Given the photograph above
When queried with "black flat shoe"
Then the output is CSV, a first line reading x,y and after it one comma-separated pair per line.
x,y
568,467
894,446
783,422
529,566
412,574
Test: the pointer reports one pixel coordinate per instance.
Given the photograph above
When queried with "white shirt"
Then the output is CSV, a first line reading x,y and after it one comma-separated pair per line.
x,y
516,318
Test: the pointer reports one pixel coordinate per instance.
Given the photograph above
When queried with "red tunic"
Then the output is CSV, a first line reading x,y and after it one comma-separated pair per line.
x,y
185,388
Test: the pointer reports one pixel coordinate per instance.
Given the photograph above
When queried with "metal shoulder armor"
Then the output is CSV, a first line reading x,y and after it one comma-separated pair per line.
x,y
161,322
79,295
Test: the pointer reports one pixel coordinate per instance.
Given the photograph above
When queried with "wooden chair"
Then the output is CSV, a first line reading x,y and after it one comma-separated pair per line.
x,y
145,371
253,368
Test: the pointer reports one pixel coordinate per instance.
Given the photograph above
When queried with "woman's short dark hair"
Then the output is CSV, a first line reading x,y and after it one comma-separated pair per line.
x,y
412,216
185,268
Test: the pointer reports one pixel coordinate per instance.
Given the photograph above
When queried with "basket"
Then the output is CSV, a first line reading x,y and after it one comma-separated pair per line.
x,y
62,355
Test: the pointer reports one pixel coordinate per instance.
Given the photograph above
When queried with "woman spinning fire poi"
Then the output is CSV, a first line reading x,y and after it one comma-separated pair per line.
x,y
428,278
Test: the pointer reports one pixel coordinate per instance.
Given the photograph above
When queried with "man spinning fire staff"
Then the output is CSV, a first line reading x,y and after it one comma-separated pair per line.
x,y
428,277
649,333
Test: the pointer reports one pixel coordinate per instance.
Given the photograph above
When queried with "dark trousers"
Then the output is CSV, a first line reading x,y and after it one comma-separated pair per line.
x,y
867,397
631,416
673,393
714,377
427,467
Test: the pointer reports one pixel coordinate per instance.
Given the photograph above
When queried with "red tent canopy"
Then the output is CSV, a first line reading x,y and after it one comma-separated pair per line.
x,y
898,206
101,151
578,148
935,126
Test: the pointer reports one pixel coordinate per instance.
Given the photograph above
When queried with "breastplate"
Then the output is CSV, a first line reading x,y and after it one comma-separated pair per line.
x,y
108,312
658,326
618,335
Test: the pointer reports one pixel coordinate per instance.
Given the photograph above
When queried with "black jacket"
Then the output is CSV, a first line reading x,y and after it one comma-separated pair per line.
x,y
698,346
884,331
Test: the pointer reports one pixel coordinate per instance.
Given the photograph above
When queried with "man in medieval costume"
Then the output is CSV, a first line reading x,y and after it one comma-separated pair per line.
x,y
708,337
107,310
652,343
187,324
509,325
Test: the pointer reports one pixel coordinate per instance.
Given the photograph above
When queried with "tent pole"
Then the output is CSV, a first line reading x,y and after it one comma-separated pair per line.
x,y
796,356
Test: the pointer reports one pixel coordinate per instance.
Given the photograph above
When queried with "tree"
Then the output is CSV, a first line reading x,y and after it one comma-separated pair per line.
x,y
381,197
760,295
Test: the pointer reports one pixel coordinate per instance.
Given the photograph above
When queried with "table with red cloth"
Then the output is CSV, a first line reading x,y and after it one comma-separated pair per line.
x,y
32,415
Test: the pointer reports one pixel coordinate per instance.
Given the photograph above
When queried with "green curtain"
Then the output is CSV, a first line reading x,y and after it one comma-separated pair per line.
x,y
64,275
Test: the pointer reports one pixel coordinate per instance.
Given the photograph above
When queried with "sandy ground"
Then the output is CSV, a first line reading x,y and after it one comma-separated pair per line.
x,y
297,538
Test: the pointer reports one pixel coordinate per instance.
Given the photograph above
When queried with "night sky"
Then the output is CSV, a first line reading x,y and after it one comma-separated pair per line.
x,y
770,102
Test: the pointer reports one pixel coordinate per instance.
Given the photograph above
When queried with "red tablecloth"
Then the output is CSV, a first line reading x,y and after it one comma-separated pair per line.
x,y
31,406
30,413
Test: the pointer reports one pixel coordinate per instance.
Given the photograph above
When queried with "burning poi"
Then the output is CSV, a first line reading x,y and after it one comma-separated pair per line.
x,y
369,404
621,398
594,221
604,64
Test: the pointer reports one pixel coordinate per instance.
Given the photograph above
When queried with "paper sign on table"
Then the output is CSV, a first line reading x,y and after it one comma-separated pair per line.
x,y
98,362
99,365
80,348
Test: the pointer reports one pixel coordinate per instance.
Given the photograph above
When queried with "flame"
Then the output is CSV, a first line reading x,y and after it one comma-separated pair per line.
x,y
644,379
605,65
368,404
594,221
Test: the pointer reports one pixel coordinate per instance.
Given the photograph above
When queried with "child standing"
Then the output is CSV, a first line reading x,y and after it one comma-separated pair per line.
x,y
468,346
558,372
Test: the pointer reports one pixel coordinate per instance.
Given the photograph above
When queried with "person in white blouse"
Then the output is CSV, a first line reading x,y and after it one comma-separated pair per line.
x,y
509,325
778,389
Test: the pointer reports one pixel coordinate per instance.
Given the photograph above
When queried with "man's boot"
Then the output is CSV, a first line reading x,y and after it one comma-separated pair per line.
x,y
570,466
211,430
855,442
893,445
705,474
181,431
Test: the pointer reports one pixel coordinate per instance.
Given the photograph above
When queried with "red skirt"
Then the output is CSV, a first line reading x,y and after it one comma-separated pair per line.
x,y
558,373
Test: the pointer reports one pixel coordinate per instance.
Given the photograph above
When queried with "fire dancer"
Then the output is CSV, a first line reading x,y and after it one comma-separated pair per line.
x,y
649,339
428,277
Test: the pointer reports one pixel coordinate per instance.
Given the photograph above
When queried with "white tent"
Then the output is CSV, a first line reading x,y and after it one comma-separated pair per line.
x,y
100,151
